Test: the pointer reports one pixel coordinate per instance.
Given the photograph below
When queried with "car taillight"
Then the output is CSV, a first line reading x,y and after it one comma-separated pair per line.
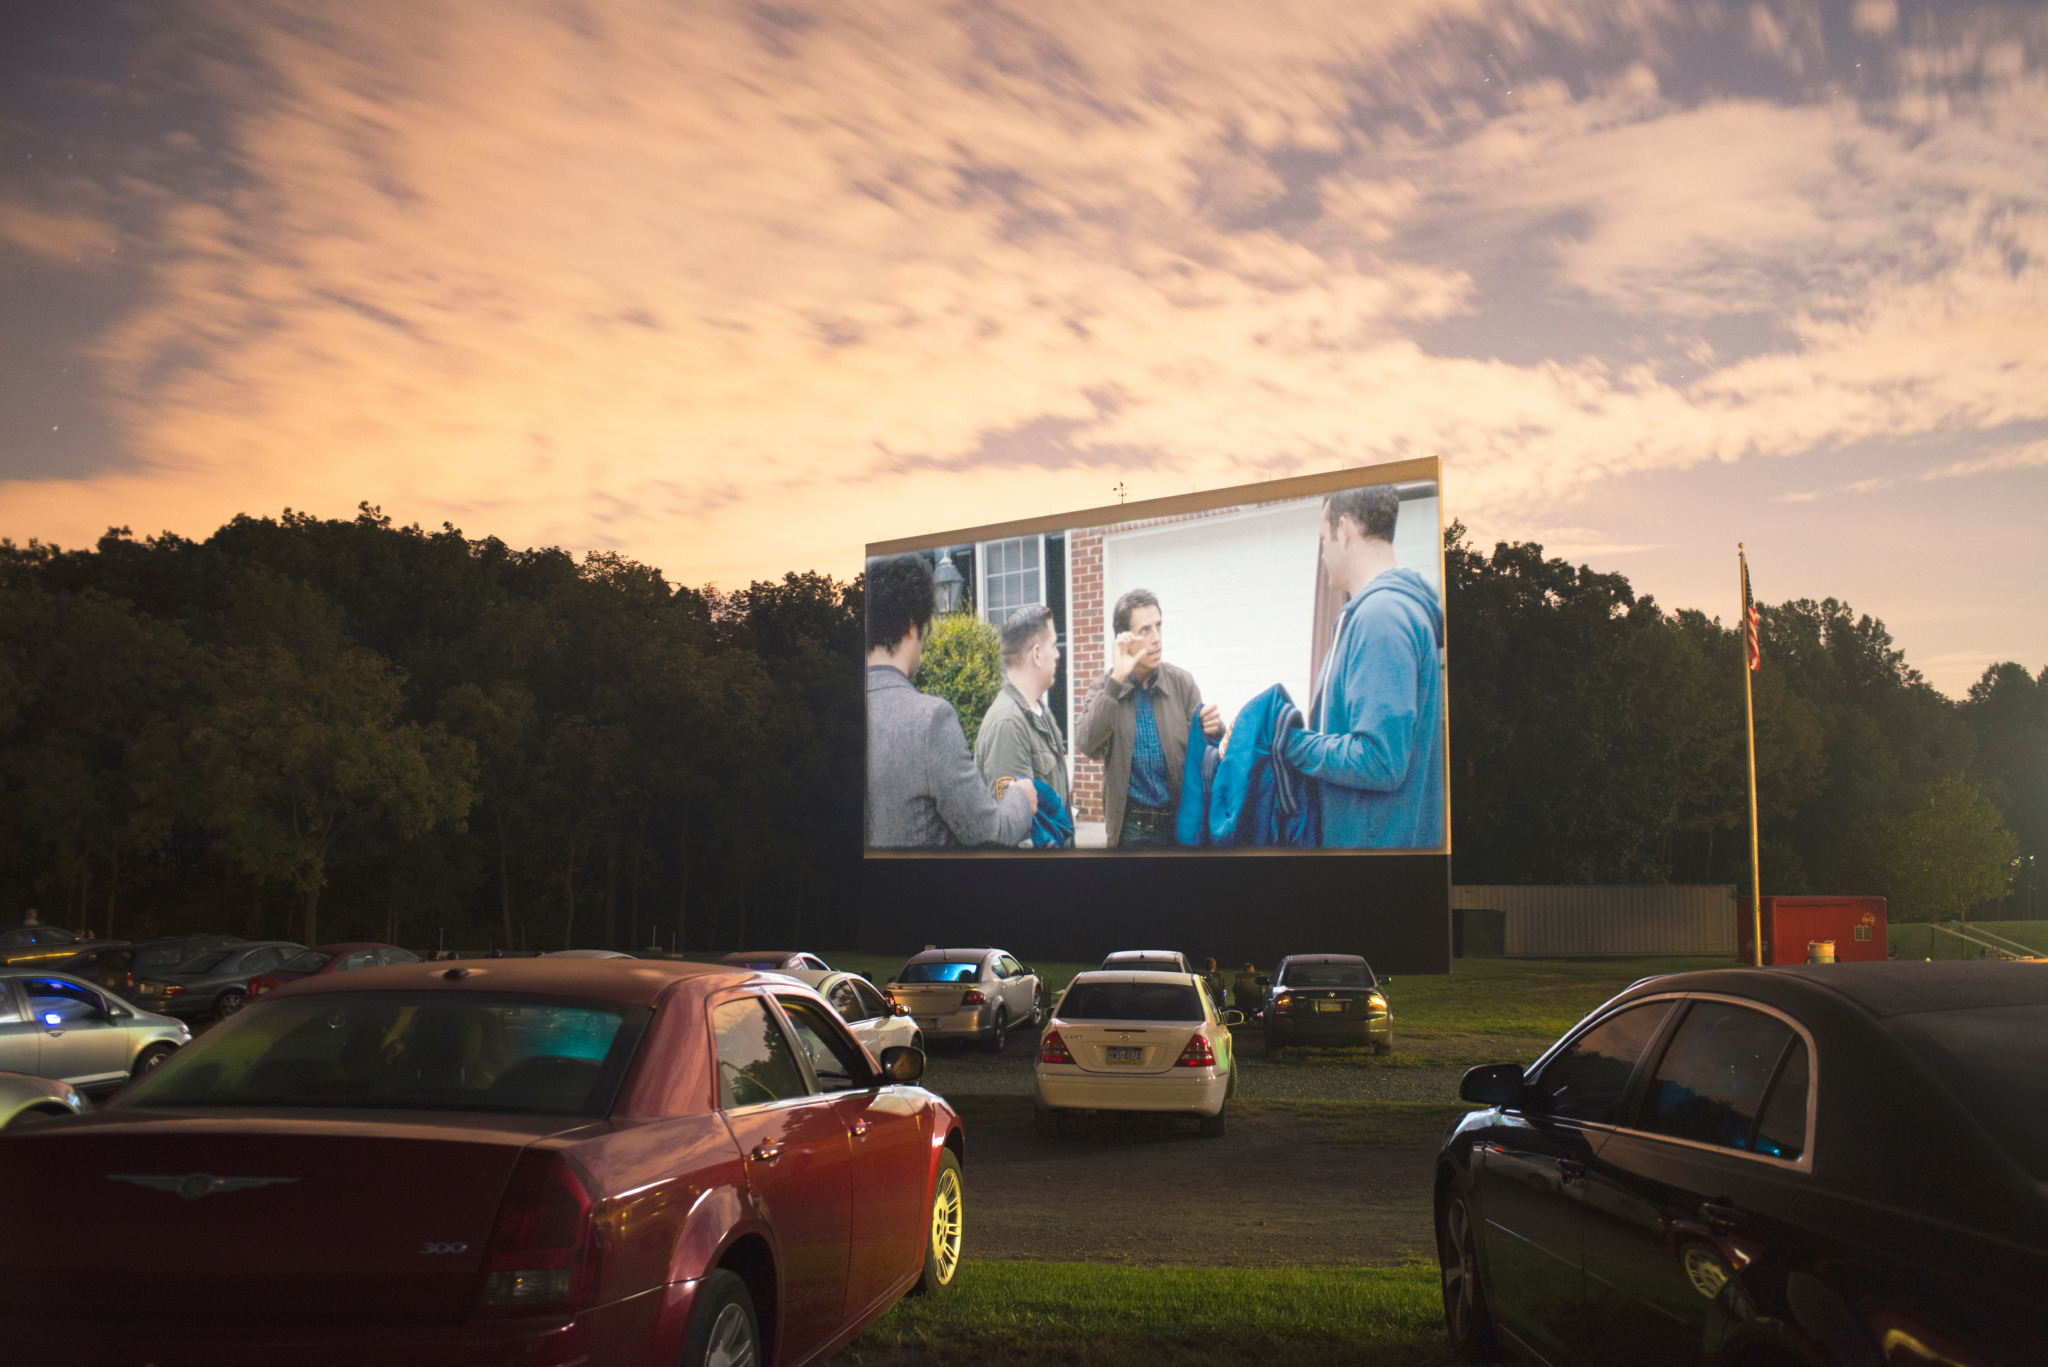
x,y
1283,1002
131,979
1198,1054
1054,1049
972,998
1376,1002
173,990
544,1248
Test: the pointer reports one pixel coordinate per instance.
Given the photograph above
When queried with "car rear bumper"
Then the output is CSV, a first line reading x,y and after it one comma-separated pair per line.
x,y
1183,1089
643,1329
977,1022
1304,1026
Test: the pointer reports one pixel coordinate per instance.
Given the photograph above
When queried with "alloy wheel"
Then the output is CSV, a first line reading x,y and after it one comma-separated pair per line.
x,y
946,1224
1461,1270
732,1340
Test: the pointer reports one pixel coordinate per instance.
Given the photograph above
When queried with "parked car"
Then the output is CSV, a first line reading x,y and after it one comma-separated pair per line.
x,y
342,958
27,1098
980,993
55,1025
108,965
1327,999
1148,961
776,960
874,1020
494,1161
215,982
159,956
1123,1041
1838,1164
38,944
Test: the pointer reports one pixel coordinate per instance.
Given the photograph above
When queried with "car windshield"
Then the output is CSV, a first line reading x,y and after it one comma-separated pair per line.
x,y
162,958
405,1051
1327,975
1995,1060
309,962
205,963
939,973
1131,1002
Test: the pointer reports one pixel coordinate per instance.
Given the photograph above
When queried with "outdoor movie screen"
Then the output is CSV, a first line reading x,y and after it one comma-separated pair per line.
x,y
1252,669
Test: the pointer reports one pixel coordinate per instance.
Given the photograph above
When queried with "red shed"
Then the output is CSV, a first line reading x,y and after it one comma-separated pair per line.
x,y
1855,924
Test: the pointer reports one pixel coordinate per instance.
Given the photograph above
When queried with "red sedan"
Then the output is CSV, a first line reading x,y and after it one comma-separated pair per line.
x,y
329,959
516,1162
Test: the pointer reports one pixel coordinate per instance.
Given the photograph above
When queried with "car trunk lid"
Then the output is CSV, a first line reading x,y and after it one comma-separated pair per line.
x,y
1147,1047
936,999
315,1217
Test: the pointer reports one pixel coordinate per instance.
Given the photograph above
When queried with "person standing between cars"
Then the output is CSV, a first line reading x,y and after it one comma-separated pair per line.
x,y
1375,734
1136,723
923,788
1245,987
1212,982
1018,736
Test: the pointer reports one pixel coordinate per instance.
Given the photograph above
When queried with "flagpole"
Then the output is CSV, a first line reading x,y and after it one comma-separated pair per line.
x,y
1756,897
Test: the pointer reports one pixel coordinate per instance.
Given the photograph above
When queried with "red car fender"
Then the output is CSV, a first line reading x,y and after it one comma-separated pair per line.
x,y
719,1218
945,1126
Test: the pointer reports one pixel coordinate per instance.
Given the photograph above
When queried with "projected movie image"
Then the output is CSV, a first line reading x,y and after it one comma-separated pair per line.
x,y
1252,676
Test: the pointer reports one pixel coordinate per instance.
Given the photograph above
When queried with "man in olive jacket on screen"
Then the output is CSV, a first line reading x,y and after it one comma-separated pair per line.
x,y
1136,723
1018,735
923,788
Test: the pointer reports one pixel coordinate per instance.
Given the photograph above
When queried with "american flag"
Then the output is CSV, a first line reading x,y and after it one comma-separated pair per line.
x,y
1751,623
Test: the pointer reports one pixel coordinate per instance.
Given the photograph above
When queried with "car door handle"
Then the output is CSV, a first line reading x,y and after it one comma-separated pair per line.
x,y
1569,1170
860,1127
1724,1214
767,1151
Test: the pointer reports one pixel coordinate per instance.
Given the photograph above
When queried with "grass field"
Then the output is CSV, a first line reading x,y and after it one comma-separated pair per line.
x,y
1085,1314
1910,940
1525,997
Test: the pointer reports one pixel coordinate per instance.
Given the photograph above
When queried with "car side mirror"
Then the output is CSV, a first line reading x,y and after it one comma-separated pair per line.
x,y
1265,981
902,1064
1492,1084
898,1009
1233,1018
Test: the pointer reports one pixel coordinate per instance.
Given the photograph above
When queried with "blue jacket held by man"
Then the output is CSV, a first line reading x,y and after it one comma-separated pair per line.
x,y
1375,743
1257,796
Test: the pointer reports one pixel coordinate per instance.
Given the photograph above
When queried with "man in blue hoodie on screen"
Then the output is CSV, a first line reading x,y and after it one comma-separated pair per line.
x,y
1375,736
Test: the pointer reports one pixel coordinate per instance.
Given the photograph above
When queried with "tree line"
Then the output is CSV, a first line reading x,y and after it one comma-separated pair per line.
x,y
325,729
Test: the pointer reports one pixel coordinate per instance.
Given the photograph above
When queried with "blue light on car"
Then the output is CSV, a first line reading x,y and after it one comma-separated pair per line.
x,y
52,1018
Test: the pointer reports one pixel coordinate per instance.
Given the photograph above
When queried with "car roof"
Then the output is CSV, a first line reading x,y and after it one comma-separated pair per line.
x,y
1144,954
349,946
744,955
1136,975
636,982
1324,959
969,954
810,977
1897,987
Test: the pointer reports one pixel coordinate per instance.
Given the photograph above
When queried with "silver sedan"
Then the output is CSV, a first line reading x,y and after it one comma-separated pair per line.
x,y
57,1026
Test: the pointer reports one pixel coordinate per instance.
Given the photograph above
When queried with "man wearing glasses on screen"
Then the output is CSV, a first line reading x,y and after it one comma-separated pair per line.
x,y
1375,737
1136,723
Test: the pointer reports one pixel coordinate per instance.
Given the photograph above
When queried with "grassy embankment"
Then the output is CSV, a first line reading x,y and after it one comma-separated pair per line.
x,y
1090,1314
1910,940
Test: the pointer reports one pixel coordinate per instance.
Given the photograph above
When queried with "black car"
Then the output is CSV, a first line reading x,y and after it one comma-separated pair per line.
x,y
1837,1164
105,963
35,943
1327,999
215,981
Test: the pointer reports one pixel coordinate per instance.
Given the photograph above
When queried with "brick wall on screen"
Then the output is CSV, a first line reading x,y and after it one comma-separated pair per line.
x,y
1086,663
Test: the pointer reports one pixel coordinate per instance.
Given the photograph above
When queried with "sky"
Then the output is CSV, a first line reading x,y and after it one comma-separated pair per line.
x,y
737,288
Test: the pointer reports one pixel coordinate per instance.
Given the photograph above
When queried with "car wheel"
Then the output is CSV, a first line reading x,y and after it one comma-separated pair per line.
x,y
917,1041
229,1002
724,1331
1466,1322
1000,1035
1382,1047
35,1115
151,1057
942,1232
1212,1125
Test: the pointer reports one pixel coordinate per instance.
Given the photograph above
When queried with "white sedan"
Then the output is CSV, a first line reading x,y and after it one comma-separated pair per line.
x,y
1122,1041
875,1021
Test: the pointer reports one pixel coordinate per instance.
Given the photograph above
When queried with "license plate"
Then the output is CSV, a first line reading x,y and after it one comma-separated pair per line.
x,y
1120,1055
926,1022
1330,1006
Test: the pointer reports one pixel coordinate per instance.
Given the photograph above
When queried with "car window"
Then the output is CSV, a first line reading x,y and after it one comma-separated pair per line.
x,y
871,1001
816,965
1327,975
1711,1083
755,1064
1132,1002
939,973
9,1012
56,1002
51,935
261,961
361,958
407,1051
1586,1079
1009,967
846,1001
1994,1060
306,961
835,1059
205,963
13,939
397,956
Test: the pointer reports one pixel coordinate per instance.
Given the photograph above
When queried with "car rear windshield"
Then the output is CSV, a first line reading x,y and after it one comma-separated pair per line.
x,y
405,1051
311,961
939,973
1144,966
204,963
1995,1060
163,958
1327,975
1131,1002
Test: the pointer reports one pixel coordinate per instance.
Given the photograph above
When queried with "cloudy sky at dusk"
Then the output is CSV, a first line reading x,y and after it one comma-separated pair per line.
x,y
735,288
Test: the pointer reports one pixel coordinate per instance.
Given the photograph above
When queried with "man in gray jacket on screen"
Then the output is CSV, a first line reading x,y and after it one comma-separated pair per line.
x,y
924,790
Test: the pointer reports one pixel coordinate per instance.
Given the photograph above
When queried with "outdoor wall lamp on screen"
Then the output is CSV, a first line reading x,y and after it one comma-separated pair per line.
x,y
947,582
